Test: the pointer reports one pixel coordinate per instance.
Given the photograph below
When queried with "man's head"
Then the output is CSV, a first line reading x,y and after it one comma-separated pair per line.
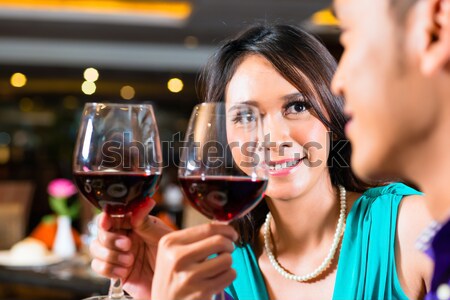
x,y
394,74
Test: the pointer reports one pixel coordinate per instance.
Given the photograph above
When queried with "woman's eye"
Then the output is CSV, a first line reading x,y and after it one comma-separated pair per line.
x,y
244,118
297,107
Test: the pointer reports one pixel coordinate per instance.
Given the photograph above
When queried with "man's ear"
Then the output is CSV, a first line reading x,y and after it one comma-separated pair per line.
x,y
436,51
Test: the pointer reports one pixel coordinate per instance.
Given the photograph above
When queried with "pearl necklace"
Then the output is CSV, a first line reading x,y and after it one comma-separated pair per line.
x,y
326,262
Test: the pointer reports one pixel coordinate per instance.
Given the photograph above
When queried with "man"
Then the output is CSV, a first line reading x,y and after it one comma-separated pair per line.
x,y
395,76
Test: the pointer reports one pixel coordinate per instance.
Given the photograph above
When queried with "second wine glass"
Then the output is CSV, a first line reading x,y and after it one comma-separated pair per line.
x,y
222,169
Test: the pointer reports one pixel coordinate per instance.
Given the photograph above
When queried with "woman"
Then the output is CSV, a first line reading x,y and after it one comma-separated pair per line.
x,y
311,194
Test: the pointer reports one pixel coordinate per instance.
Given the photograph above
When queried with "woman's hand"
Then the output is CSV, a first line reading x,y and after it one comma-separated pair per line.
x,y
183,270
129,252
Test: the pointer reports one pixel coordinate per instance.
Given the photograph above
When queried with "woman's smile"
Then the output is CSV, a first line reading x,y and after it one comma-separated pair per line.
x,y
284,167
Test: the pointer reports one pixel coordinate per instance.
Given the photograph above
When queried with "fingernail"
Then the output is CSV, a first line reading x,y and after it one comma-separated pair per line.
x,y
121,244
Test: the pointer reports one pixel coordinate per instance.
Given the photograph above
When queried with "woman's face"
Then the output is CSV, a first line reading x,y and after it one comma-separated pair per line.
x,y
296,141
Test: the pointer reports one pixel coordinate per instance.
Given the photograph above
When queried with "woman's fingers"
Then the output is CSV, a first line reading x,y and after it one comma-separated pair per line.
x,y
197,281
108,269
199,251
113,241
213,267
151,230
205,240
203,288
184,269
221,281
140,213
122,259
104,221
198,233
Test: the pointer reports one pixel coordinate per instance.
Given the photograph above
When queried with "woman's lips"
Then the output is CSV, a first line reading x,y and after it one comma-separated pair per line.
x,y
284,167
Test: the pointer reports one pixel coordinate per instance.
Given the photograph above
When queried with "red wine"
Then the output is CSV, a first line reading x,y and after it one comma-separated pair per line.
x,y
223,198
116,193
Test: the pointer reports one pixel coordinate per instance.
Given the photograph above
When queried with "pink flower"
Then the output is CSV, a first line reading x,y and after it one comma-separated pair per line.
x,y
61,188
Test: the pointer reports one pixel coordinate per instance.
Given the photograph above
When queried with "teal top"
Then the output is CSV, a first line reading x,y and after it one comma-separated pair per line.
x,y
366,267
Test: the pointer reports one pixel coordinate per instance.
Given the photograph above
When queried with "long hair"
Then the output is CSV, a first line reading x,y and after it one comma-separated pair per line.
x,y
305,63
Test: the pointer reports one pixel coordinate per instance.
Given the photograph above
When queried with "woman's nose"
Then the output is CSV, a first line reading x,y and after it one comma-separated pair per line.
x,y
276,134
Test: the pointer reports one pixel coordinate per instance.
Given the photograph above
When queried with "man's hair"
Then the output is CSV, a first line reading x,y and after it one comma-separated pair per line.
x,y
401,8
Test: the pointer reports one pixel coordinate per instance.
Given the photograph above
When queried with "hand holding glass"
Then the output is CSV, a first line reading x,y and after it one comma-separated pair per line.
x,y
117,162
222,169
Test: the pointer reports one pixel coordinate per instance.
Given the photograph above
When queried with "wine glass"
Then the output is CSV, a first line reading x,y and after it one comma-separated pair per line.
x,y
117,162
222,165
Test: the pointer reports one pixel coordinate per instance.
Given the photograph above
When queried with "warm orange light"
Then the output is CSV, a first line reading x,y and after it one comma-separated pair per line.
x,y
127,92
324,18
18,80
175,10
5,154
175,85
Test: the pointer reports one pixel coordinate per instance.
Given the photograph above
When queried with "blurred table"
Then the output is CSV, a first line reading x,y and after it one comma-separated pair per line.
x,y
71,279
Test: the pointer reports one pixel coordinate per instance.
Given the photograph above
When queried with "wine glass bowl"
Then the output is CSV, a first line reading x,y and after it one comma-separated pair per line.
x,y
222,170
117,156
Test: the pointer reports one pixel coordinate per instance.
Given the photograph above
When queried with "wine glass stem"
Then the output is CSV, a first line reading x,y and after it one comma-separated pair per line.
x,y
115,286
221,295
115,289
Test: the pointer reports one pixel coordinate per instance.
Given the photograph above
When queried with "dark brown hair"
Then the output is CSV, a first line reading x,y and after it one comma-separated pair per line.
x,y
306,64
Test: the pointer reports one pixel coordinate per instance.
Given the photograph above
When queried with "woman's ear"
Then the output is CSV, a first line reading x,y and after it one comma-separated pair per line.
x,y
435,55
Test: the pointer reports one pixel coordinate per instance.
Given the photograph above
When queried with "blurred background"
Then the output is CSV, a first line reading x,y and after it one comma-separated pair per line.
x,y
55,55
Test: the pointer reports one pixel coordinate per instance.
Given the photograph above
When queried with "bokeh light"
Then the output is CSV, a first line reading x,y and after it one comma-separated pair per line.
x,y
88,87
175,85
127,92
91,74
18,80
